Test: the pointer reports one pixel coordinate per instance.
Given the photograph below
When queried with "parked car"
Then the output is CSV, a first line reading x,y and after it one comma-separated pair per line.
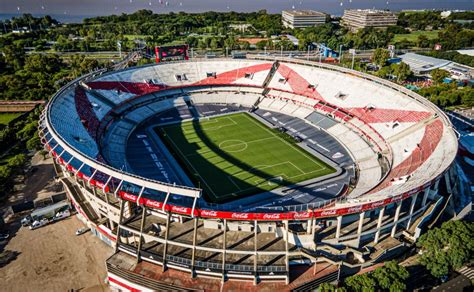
x,y
39,223
26,221
61,215
82,230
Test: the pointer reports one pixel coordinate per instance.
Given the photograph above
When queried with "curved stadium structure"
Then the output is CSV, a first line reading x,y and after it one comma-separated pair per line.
x,y
242,168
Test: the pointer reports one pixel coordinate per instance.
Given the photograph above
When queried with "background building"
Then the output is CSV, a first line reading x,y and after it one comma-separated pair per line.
x,y
356,19
423,65
303,18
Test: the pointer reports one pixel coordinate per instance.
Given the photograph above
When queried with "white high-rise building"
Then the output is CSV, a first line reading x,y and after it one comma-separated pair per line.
x,y
356,19
302,18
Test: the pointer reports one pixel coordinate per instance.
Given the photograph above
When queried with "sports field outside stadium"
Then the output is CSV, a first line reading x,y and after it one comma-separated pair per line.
x,y
236,155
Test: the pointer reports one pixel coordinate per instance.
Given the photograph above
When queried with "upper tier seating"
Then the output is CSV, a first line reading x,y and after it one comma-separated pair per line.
x,y
67,123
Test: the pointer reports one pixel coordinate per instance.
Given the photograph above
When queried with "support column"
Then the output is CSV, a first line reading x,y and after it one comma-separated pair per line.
x,y
425,197
379,225
140,240
395,220
412,208
313,226
224,246
315,264
255,248
165,245
359,227
287,255
309,224
193,255
338,228
108,210
448,182
117,240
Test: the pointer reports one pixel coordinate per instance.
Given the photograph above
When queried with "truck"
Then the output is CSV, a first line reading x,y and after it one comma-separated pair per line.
x,y
51,212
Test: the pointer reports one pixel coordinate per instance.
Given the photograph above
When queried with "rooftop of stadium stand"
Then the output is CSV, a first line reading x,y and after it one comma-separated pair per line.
x,y
390,138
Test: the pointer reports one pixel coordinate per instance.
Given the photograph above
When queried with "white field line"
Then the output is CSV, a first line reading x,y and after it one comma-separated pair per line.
x,y
289,144
223,148
230,177
212,128
194,169
233,182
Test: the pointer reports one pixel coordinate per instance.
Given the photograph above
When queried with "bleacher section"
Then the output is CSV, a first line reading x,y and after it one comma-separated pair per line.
x,y
320,120
67,123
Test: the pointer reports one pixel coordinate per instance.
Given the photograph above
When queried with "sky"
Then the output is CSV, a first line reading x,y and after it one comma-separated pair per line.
x,y
107,7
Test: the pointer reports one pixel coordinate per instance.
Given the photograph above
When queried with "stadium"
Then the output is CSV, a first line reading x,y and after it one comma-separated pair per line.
x,y
246,168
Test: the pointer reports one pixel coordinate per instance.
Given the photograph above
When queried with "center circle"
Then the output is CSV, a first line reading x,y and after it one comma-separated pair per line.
x,y
233,145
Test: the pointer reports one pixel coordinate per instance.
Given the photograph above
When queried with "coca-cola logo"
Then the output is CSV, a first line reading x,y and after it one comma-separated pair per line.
x,y
179,209
153,204
355,209
302,215
329,212
209,213
377,204
240,215
397,198
271,216
128,196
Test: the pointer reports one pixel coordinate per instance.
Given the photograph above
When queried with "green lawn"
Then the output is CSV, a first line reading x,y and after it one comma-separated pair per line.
x,y
5,118
235,155
136,36
413,36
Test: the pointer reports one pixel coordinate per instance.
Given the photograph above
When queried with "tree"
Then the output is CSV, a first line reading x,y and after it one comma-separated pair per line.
x,y
386,72
202,44
438,75
391,276
423,41
360,283
448,247
17,161
14,56
326,287
380,56
230,43
244,45
43,63
33,143
402,71
191,41
27,132
261,45
214,44
5,181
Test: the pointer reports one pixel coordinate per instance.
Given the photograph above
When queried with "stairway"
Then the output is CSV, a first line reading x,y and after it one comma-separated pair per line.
x,y
269,77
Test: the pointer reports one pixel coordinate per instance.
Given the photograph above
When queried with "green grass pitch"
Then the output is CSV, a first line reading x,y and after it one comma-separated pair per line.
x,y
236,155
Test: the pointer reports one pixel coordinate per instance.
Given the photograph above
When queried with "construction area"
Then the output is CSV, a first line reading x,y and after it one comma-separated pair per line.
x,y
50,258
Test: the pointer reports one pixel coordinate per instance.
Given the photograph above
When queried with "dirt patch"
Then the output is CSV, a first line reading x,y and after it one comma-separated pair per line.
x,y
53,258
